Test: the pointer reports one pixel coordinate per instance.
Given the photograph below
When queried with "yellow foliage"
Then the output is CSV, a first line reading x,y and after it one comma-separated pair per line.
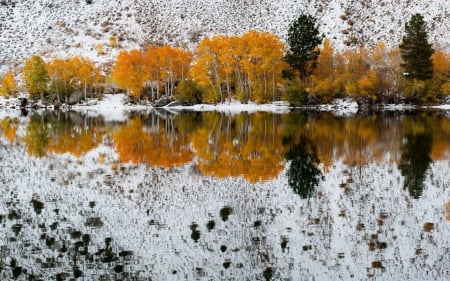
x,y
323,89
251,63
445,88
368,85
9,127
113,42
35,76
8,87
100,49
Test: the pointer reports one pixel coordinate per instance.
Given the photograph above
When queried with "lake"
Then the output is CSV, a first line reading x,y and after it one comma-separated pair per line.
x,y
159,195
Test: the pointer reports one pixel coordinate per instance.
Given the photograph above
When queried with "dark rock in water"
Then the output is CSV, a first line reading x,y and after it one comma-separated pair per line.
x,y
225,212
23,102
163,101
118,268
210,225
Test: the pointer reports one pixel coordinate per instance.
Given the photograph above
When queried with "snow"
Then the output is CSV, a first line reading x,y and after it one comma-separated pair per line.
x,y
235,107
66,28
175,199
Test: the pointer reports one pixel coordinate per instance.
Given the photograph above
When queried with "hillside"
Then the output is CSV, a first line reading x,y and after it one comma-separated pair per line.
x,y
67,27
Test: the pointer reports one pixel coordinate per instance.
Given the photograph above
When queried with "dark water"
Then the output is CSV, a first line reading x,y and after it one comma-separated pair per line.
x,y
214,196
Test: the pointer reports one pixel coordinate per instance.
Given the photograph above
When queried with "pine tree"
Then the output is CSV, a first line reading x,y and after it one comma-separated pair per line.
x,y
303,41
415,50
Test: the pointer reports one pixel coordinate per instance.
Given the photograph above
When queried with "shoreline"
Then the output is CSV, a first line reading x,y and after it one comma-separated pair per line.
x,y
117,102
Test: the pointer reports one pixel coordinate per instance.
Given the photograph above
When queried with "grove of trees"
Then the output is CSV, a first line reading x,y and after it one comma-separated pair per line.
x,y
256,66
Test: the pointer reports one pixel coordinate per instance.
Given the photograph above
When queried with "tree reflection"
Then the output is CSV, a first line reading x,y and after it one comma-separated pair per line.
x,y
9,127
37,136
415,161
61,133
303,173
247,146
157,144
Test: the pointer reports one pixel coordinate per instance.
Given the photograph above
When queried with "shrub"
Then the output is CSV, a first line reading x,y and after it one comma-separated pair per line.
x,y
189,91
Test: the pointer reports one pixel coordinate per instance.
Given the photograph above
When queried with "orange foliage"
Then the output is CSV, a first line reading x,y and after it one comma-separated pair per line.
x,y
166,65
441,71
129,72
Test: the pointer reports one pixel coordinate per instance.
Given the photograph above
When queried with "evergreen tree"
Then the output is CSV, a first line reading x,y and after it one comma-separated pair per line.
x,y
415,50
303,40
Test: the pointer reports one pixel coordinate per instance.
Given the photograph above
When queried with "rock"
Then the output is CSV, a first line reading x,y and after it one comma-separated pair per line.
x,y
23,102
75,97
92,102
178,103
163,101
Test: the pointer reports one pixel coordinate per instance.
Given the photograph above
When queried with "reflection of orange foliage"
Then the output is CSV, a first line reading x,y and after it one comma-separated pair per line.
x,y
253,152
440,150
9,128
74,142
134,144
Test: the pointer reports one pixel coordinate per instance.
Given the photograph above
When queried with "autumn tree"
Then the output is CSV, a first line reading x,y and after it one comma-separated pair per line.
x,y
263,64
35,77
8,85
86,74
303,41
325,77
386,64
61,74
441,72
206,70
174,65
248,67
128,72
416,51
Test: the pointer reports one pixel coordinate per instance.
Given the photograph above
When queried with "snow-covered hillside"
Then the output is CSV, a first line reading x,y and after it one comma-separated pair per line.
x,y
67,27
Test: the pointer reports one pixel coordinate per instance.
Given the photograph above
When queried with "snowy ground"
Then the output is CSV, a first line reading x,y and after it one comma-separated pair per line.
x,y
114,107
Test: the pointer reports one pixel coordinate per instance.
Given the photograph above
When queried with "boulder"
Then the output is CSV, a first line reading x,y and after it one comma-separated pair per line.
x,y
75,97
163,101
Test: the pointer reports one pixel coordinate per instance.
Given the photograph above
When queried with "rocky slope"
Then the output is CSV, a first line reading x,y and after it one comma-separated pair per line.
x,y
67,27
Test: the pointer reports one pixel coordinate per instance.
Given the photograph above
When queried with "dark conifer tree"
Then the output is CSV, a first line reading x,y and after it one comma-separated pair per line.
x,y
415,50
303,41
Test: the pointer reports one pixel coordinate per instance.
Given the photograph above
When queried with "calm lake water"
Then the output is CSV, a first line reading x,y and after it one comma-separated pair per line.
x,y
216,196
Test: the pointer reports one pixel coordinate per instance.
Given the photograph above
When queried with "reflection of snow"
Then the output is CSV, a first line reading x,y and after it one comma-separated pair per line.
x,y
341,107
150,211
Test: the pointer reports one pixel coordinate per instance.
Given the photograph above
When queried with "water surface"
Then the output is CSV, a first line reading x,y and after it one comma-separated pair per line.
x,y
214,196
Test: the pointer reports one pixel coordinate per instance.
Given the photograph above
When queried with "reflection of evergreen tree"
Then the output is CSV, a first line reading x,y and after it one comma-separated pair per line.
x,y
415,161
303,173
